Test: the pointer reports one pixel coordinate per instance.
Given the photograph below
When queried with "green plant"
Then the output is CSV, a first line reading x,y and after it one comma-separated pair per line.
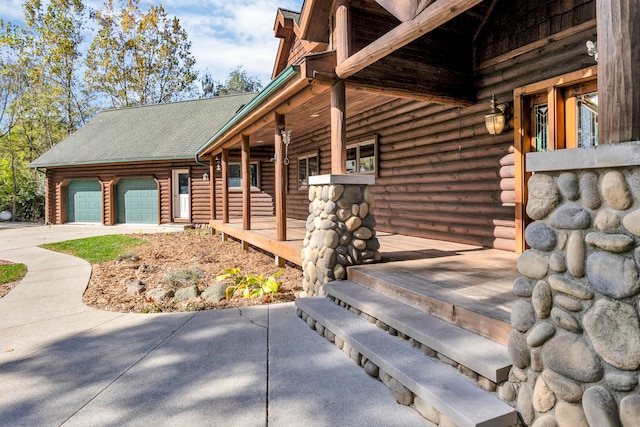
x,y
184,277
12,273
96,249
249,285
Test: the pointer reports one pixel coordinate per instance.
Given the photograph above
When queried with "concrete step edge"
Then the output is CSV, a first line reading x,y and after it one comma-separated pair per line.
x,y
439,385
479,354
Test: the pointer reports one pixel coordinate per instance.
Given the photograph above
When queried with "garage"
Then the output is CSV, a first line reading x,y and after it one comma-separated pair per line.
x,y
84,201
137,201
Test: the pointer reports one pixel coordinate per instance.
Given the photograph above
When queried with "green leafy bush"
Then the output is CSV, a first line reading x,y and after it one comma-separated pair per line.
x,y
249,285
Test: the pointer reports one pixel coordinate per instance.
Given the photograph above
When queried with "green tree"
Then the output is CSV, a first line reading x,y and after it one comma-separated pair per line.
x,y
139,59
238,81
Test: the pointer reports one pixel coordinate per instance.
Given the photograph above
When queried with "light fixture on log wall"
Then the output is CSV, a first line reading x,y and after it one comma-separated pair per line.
x,y
218,162
205,176
592,49
496,119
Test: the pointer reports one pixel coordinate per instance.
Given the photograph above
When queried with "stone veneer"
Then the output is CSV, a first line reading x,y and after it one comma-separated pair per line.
x,y
340,229
575,347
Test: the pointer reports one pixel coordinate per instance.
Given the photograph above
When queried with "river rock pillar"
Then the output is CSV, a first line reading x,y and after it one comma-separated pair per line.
x,y
575,346
340,229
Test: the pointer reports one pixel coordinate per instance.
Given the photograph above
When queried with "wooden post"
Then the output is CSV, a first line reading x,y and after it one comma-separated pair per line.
x,y
212,187
246,184
618,76
338,129
225,186
342,31
281,207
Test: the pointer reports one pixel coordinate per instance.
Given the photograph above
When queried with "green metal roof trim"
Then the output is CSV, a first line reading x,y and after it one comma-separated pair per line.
x,y
157,132
275,85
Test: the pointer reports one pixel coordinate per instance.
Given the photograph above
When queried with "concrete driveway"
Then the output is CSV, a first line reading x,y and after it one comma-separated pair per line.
x,y
63,363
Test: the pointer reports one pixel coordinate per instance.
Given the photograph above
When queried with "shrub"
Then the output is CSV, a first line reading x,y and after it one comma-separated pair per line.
x,y
249,285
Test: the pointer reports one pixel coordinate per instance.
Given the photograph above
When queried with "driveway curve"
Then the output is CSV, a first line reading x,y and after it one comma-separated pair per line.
x,y
63,363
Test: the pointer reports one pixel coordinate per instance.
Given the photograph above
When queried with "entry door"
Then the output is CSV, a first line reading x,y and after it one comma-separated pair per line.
x,y
181,196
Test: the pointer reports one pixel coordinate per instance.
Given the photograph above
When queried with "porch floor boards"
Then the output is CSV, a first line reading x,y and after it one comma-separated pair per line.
x,y
471,277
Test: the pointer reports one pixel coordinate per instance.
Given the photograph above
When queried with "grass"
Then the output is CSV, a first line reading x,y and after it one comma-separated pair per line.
x,y
96,249
12,272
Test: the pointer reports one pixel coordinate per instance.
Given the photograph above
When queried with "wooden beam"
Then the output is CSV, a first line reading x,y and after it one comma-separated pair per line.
x,y
212,187
404,10
618,77
432,17
225,186
246,184
342,30
281,205
338,129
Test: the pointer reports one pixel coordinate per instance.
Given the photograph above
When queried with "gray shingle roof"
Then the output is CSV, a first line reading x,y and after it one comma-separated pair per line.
x,y
290,14
155,132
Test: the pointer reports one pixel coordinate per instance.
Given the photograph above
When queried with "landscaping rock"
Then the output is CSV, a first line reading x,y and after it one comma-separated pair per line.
x,y
568,415
135,288
159,295
215,292
187,293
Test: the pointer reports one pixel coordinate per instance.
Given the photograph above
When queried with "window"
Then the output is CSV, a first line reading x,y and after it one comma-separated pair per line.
x,y
361,157
562,116
308,165
235,175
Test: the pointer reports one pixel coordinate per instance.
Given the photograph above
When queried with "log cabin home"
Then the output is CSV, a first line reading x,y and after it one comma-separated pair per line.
x,y
136,165
444,138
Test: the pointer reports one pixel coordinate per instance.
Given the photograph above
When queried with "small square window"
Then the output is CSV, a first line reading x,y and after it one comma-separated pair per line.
x,y
235,175
308,165
361,157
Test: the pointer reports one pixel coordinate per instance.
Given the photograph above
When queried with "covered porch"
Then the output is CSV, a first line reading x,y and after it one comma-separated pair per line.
x,y
468,285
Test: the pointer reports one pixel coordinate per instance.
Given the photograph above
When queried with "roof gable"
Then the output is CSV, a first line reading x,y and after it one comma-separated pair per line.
x,y
155,132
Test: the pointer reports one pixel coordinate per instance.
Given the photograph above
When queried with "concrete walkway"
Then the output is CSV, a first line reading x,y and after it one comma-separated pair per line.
x,y
63,363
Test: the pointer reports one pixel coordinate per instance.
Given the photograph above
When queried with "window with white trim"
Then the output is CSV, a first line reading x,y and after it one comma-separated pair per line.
x,y
308,165
235,175
362,157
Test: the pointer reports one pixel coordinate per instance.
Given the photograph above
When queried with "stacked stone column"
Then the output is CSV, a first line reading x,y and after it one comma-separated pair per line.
x,y
576,340
340,229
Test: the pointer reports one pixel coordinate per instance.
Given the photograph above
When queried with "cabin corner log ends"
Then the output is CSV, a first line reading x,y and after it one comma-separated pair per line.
x,y
575,346
340,233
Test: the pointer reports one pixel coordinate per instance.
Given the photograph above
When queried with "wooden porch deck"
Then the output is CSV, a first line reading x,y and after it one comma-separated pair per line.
x,y
475,278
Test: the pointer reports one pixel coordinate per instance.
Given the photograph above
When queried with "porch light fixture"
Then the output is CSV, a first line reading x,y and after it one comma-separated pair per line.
x,y
218,163
496,119
592,49
205,177
286,139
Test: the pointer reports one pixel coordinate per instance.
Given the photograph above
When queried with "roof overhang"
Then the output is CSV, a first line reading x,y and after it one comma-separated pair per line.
x,y
286,92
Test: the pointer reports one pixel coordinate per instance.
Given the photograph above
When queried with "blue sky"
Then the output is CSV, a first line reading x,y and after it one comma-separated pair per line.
x,y
224,33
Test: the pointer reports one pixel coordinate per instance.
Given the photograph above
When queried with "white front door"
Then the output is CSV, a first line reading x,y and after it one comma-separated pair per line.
x,y
181,194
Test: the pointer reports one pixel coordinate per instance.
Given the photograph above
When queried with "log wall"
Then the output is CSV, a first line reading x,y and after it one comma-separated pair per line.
x,y
108,175
440,174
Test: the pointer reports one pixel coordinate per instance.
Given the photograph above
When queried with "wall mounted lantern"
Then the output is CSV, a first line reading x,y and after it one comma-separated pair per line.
x,y
592,49
205,177
496,119
218,162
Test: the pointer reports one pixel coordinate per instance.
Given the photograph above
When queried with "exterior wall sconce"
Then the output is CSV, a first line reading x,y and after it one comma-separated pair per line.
x,y
496,119
218,163
286,139
205,177
592,49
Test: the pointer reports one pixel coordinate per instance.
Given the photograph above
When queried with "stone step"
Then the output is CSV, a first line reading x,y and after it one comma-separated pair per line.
x,y
481,355
413,292
436,384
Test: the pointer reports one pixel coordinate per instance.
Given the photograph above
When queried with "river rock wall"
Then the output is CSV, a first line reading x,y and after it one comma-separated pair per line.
x,y
340,233
576,341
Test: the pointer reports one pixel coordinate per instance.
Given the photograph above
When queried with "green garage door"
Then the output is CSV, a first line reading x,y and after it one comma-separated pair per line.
x,y
84,201
137,201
